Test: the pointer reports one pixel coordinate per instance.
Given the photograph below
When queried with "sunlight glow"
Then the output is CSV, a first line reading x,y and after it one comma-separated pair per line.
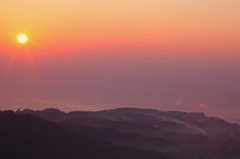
x,y
22,38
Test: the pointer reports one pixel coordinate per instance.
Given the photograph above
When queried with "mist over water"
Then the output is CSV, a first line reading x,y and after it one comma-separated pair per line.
x,y
101,81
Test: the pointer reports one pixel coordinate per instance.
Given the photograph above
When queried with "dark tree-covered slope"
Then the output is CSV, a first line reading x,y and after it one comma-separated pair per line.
x,y
29,137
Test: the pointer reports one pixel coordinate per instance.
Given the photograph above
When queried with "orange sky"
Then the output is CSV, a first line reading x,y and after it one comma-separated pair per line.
x,y
163,26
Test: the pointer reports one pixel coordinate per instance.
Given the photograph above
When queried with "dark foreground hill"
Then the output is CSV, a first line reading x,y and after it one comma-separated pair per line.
x,y
179,135
29,137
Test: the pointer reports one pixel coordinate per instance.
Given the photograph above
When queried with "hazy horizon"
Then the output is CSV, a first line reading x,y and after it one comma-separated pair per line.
x,y
98,83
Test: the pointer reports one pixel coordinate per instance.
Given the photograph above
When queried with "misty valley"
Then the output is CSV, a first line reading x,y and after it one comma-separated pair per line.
x,y
123,133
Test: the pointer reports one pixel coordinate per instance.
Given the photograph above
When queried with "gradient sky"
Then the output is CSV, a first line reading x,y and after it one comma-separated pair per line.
x,y
93,55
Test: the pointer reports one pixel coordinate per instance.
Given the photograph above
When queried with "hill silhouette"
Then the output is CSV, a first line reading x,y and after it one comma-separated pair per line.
x,y
178,135
29,137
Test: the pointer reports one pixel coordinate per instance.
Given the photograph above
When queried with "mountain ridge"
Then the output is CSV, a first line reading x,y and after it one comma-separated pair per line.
x,y
28,136
177,134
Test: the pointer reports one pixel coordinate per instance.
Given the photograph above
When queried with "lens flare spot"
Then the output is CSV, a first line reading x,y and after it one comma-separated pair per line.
x,y
203,105
179,103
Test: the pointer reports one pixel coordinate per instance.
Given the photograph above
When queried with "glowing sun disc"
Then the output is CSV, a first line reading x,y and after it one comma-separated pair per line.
x,y
22,38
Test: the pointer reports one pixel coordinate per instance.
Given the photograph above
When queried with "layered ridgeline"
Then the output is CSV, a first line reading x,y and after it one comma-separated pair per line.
x,y
29,137
177,135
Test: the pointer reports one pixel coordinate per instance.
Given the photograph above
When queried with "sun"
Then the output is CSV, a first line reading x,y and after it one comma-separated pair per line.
x,y
22,38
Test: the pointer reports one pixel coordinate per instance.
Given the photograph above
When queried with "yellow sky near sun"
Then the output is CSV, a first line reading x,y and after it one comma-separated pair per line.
x,y
160,24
